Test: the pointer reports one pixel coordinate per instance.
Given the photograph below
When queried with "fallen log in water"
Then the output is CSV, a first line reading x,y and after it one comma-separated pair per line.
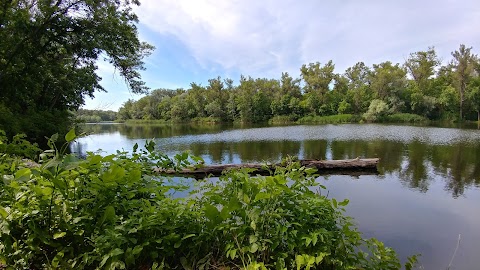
x,y
356,166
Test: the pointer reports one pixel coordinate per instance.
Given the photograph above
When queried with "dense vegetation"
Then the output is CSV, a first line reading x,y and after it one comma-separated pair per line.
x,y
421,86
95,116
115,212
48,57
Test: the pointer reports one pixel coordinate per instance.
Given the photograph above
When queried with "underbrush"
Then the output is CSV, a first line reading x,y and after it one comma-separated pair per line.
x,y
405,118
282,119
115,212
330,119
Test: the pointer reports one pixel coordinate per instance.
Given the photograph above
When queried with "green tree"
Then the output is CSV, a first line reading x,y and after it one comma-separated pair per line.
x,y
462,64
473,86
359,93
289,88
48,55
421,68
317,80
125,112
388,82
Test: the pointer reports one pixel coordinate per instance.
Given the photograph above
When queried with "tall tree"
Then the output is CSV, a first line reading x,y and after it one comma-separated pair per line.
x,y
317,80
49,51
358,86
473,86
421,66
388,82
462,63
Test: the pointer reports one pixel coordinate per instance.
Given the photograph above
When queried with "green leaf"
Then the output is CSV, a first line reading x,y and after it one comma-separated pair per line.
x,y
70,136
150,146
137,250
23,174
59,235
344,202
211,212
334,203
188,236
3,212
253,225
108,215
116,252
47,191
308,240
252,239
246,199
104,260
233,253
134,176
300,261
135,147
262,196
95,159
320,257
254,248
54,137
185,263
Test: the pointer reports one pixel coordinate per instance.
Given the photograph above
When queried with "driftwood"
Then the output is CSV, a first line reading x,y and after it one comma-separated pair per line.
x,y
347,166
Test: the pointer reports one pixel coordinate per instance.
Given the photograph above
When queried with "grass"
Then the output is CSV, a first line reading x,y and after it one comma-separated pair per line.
x,y
282,119
330,119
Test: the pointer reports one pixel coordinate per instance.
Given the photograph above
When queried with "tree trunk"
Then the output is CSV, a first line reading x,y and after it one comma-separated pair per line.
x,y
348,166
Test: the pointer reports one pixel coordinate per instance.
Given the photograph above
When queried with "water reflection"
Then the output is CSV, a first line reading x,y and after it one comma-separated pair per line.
x,y
416,154
427,192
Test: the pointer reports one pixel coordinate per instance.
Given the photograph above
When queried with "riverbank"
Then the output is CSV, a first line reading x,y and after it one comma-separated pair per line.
x,y
329,119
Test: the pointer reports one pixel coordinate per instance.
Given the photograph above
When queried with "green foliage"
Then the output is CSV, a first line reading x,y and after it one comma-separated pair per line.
x,y
280,119
420,86
95,116
115,212
19,146
377,110
331,119
48,59
405,118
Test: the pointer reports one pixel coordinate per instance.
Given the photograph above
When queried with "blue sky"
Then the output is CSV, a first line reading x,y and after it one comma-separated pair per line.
x,y
202,39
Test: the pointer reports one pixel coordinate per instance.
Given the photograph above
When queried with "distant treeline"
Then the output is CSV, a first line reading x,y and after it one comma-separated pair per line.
x,y
95,116
421,86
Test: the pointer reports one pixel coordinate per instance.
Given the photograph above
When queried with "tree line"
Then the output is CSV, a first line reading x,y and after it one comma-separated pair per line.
x,y
421,86
95,116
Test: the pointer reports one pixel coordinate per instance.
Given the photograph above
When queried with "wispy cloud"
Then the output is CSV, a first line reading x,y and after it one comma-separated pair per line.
x,y
201,39
263,37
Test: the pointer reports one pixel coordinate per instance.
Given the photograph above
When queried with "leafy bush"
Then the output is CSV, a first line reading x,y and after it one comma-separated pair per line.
x,y
377,110
19,146
115,212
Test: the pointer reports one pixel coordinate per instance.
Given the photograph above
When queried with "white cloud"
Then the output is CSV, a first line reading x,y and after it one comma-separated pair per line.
x,y
264,38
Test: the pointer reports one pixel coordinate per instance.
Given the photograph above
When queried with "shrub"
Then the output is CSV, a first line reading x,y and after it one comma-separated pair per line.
x,y
377,110
19,146
115,212
406,118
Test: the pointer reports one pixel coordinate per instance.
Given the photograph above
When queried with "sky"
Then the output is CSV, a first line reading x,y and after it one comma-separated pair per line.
x,y
197,40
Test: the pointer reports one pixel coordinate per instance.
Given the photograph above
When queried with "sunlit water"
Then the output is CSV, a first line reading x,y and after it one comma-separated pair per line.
x,y
427,193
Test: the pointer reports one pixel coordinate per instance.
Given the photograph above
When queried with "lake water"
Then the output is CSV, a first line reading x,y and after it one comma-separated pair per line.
x,y
426,195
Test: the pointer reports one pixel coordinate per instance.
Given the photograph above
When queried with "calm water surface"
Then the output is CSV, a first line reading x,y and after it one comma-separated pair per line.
x,y
427,193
